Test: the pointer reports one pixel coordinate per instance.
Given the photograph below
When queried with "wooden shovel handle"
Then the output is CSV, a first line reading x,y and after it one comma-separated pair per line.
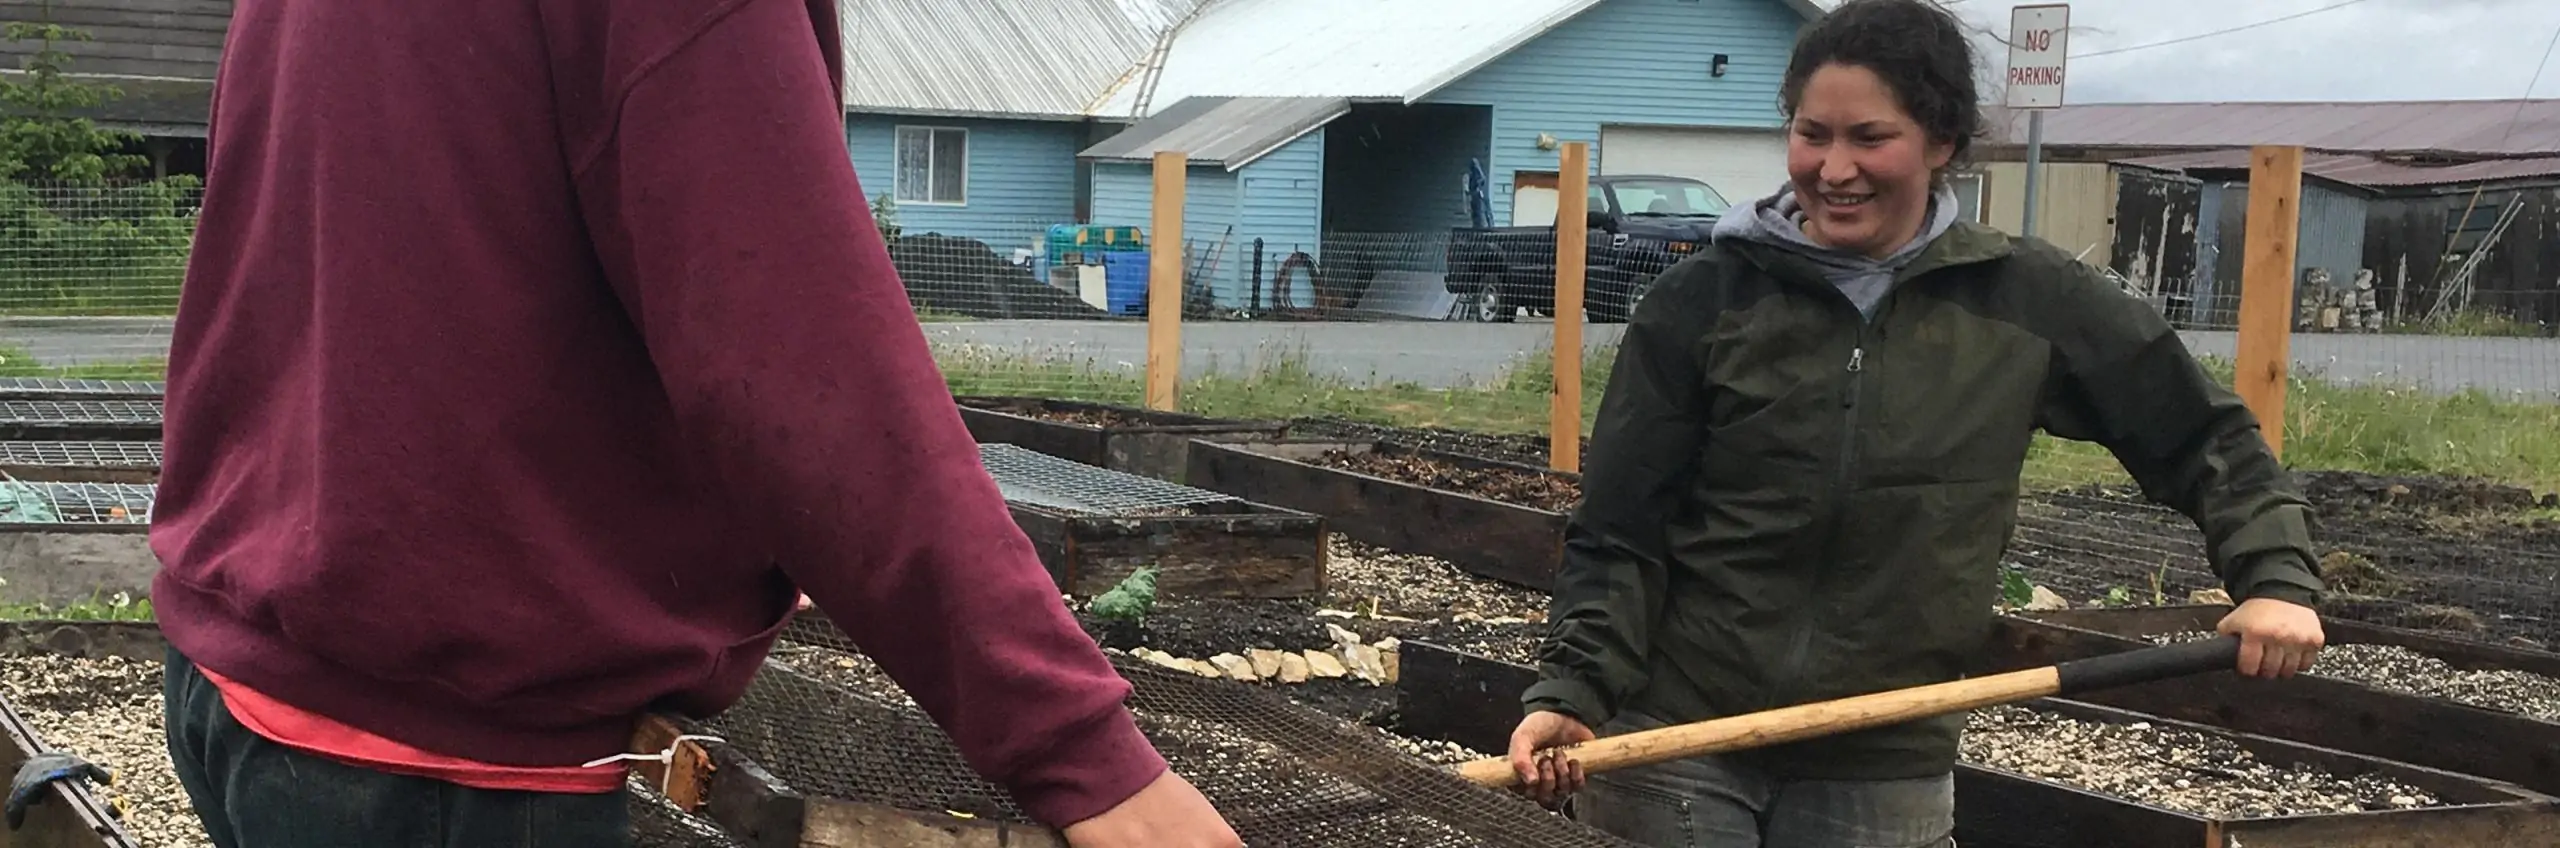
x,y
1825,718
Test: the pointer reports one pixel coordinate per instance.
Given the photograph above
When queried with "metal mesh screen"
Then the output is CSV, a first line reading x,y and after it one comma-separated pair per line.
x,y
1038,479
825,720
60,386
82,454
80,411
84,503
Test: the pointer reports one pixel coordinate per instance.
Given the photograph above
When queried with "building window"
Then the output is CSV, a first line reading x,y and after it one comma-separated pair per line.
x,y
1968,188
933,166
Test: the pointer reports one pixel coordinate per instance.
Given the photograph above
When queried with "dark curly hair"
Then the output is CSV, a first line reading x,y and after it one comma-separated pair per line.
x,y
1917,48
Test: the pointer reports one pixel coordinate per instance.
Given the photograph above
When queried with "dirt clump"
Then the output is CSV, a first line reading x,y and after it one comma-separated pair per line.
x,y
1518,487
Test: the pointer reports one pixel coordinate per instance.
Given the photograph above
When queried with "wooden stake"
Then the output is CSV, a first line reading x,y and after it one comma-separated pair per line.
x,y
2266,286
1573,189
686,778
1164,283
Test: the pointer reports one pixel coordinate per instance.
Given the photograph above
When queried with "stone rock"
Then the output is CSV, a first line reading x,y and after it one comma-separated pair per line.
x,y
1161,658
1392,663
1365,663
1202,668
2209,596
1343,637
1234,667
1266,662
1293,668
1325,665
2047,599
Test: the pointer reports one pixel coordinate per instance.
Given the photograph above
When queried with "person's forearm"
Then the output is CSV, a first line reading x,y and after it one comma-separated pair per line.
x,y
727,212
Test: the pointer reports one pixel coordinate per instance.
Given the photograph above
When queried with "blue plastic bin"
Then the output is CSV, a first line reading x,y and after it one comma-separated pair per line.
x,y
1124,281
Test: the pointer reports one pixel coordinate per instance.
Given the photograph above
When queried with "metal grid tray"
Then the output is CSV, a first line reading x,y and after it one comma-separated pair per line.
x,y
82,454
1037,479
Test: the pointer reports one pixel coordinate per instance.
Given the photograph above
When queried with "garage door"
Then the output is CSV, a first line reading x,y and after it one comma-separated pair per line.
x,y
1741,164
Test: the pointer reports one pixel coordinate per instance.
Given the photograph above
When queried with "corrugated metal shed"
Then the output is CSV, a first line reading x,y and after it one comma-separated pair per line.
x,y
2470,126
2365,171
996,57
1398,50
1226,131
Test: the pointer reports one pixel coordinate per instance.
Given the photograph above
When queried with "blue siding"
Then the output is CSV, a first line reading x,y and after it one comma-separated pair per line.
x,y
1282,204
1021,177
1630,62
2331,237
1124,196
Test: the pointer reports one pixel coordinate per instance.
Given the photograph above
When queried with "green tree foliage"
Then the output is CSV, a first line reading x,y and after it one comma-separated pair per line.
x,y
83,228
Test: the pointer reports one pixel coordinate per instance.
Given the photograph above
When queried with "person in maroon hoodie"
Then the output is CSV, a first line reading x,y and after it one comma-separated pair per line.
x,y
533,359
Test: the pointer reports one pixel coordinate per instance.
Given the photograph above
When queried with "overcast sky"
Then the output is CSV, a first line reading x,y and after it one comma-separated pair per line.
x,y
2371,50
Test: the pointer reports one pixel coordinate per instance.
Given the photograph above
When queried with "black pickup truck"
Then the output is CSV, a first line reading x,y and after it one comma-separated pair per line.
x,y
1638,225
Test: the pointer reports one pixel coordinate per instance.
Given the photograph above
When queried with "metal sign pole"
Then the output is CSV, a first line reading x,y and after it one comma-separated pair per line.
x,y
2038,49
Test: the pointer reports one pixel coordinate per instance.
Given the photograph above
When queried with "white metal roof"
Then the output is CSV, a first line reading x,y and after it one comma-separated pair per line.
x,y
1068,58
996,57
1362,49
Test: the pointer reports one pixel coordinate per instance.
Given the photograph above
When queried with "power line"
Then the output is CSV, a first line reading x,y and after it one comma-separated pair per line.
x,y
2220,32
2528,88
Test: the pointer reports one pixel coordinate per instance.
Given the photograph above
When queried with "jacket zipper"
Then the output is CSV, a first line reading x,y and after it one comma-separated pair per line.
x,y
1792,671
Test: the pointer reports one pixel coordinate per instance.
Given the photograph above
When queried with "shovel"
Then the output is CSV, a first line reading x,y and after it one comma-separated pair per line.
x,y
1825,718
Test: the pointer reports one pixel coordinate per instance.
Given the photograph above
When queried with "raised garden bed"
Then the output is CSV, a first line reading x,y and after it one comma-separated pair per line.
x,y
79,420
1500,520
822,721
76,507
1139,441
2051,773
93,689
1093,527
51,388
81,462
2392,720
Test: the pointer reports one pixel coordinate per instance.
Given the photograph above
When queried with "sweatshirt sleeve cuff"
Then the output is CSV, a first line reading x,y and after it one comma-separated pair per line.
x,y
1093,769
1568,696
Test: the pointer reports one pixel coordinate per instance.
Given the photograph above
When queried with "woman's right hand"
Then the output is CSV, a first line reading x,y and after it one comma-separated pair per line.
x,y
1547,778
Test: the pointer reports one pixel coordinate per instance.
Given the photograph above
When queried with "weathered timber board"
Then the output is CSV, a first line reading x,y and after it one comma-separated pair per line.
x,y
53,388
1473,700
758,809
2308,709
1155,444
1230,549
1488,538
2140,622
68,816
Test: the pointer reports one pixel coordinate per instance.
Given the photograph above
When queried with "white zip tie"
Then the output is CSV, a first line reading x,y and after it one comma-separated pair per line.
x,y
667,756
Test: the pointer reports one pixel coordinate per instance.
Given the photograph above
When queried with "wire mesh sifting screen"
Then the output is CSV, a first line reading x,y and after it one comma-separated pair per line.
x,y
80,411
82,454
825,720
65,386
1038,479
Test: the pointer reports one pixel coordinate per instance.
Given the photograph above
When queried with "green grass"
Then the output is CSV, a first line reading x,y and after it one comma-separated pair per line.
x,y
117,607
15,362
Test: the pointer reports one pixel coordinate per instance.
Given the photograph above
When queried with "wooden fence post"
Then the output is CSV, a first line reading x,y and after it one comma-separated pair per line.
x,y
2266,286
1164,282
1573,188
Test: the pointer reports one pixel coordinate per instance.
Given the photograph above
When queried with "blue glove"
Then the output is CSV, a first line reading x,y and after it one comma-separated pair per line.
x,y
41,771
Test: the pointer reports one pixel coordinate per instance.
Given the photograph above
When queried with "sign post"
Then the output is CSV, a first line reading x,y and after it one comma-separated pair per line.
x,y
2039,38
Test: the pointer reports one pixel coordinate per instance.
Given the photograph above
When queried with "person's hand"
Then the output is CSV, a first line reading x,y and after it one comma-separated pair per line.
x,y
1168,813
1547,777
2277,638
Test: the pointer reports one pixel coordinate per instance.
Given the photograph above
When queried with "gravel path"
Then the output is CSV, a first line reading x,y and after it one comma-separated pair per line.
x,y
2402,670
107,711
2196,773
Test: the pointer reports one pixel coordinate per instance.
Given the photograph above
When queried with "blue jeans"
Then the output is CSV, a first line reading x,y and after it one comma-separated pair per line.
x,y
1712,802
254,793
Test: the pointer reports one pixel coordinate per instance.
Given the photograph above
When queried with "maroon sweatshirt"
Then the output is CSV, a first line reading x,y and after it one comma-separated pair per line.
x,y
534,352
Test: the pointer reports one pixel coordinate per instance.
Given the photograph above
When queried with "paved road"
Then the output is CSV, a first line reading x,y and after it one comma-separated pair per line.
x,y
1454,354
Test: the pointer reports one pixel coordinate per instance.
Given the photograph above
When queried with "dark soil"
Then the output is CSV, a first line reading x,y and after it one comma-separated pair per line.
x,y
2462,557
1520,448
1090,417
1520,488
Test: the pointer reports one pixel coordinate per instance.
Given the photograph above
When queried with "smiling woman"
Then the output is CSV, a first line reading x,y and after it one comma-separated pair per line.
x,y
1850,378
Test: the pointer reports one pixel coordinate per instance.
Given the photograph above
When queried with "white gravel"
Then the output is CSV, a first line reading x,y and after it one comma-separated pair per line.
x,y
2398,669
107,711
2197,773
1371,580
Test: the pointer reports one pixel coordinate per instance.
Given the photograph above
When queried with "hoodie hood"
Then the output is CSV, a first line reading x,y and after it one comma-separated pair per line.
x,y
1778,221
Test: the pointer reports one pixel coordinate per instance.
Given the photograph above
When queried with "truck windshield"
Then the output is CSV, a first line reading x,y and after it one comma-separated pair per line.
x,y
1668,197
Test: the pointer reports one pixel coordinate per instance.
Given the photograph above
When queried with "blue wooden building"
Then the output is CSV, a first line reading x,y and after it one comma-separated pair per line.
x,y
1317,130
